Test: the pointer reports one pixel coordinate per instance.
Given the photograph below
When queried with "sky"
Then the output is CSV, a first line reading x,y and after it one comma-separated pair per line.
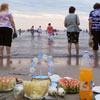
x,y
41,12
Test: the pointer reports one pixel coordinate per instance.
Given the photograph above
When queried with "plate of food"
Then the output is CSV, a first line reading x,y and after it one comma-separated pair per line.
x,y
36,89
7,84
96,89
97,97
5,91
55,78
36,98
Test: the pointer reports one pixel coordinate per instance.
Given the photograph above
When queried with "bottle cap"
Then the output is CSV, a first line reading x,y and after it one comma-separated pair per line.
x,y
85,51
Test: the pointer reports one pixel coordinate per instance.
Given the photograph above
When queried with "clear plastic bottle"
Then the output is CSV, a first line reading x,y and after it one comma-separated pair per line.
x,y
86,77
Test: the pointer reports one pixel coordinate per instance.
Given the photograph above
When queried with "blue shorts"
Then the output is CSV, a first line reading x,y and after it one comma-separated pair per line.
x,y
32,32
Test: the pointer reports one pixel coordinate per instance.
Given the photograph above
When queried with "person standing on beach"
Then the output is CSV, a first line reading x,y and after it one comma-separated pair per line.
x,y
94,27
32,31
6,26
72,22
50,31
39,31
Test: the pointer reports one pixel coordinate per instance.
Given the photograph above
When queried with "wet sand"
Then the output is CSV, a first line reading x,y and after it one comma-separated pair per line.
x,y
64,67
25,48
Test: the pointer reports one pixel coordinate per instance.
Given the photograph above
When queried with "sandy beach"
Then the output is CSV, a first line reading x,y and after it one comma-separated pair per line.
x,y
25,48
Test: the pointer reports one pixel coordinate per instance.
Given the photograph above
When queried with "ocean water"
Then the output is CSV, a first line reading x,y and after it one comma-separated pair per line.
x,y
27,46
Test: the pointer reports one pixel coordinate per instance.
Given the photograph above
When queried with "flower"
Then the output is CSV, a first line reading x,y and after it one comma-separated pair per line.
x,y
51,64
45,57
32,69
35,60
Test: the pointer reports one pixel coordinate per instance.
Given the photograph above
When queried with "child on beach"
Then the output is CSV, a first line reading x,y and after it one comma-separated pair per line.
x,y
50,31
32,31
39,31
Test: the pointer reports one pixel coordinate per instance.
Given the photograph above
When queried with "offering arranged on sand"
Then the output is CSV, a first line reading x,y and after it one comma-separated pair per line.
x,y
69,85
37,88
7,84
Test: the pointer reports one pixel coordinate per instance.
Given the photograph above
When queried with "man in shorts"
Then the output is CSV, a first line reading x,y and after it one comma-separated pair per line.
x,y
50,31
72,22
94,27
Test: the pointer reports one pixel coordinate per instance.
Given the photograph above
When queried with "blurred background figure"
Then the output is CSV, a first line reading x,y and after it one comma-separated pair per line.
x,y
50,31
6,26
32,31
39,31
19,32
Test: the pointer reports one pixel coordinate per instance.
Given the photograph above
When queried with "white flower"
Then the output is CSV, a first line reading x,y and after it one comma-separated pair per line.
x,y
52,91
49,74
51,64
45,57
35,60
61,92
32,69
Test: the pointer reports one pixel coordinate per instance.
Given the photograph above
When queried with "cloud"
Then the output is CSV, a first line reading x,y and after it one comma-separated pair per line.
x,y
44,11
41,16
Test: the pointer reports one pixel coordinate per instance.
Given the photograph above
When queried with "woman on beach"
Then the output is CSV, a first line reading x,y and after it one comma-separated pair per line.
x,y
94,27
6,26
71,23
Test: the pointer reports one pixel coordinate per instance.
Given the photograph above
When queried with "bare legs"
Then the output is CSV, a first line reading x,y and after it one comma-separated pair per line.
x,y
1,51
7,49
69,49
95,54
76,47
96,58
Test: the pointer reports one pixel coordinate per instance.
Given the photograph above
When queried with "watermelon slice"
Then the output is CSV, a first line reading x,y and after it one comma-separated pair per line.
x,y
69,85
7,83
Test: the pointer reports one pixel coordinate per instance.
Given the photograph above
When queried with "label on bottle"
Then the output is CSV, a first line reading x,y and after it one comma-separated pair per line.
x,y
84,86
91,83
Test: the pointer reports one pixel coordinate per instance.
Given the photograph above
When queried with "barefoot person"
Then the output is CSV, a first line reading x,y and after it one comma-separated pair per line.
x,y
6,26
50,31
39,31
71,23
94,27
32,31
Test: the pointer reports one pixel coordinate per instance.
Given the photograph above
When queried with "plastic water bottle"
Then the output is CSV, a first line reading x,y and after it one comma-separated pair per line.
x,y
86,77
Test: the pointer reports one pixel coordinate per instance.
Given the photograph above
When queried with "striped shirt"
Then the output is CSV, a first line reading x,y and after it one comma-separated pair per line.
x,y
95,16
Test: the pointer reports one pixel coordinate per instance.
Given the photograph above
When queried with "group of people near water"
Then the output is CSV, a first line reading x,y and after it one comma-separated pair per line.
x,y
39,31
71,22
49,30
